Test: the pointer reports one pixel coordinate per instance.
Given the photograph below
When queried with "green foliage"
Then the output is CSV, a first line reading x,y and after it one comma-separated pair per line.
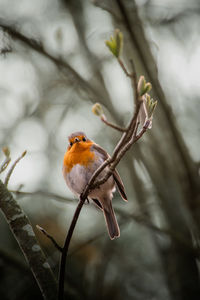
x,y
143,86
115,44
150,105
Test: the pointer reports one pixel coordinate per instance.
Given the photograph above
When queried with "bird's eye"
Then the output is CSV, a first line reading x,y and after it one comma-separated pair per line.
x,y
76,140
71,143
84,139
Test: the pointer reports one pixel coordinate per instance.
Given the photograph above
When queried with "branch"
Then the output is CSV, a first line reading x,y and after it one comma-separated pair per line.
x,y
114,161
7,159
92,92
98,111
23,232
61,64
42,193
4,164
124,68
121,129
38,47
66,247
49,237
12,168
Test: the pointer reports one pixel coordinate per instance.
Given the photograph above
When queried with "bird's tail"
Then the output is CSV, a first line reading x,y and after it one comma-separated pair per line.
x,y
112,225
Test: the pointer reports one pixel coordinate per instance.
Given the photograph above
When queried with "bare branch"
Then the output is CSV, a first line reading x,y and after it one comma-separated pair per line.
x,y
66,247
7,159
24,234
121,129
49,237
124,68
98,111
42,193
61,64
4,164
12,168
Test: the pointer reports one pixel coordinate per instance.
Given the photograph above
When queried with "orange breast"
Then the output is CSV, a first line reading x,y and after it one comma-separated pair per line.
x,y
79,153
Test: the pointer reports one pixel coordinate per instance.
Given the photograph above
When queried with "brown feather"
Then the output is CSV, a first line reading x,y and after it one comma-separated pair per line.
x,y
116,175
100,150
96,201
111,222
119,185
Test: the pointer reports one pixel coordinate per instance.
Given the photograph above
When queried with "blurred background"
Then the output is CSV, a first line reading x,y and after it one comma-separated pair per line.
x,y
54,66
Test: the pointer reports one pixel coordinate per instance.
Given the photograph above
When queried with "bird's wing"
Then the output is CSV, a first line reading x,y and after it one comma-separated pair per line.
x,y
120,185
116,176
98,203
101,151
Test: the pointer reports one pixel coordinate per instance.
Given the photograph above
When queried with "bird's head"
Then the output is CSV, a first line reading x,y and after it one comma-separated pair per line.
x,y
77,137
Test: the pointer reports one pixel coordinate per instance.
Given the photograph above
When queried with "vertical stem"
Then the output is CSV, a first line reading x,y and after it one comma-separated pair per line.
x,y
66,247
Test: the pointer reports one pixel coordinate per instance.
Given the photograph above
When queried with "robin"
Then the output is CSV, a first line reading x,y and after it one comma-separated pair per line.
x,y
81,160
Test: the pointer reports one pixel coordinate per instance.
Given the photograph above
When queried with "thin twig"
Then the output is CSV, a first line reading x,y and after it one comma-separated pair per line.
x,y
7,159
143,130
120,155
4,164
12,168
131,127
62,65
121,129
124,68
49,237
42,193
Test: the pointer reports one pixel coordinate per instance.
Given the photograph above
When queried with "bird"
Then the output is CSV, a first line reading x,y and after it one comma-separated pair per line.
x,y
82,158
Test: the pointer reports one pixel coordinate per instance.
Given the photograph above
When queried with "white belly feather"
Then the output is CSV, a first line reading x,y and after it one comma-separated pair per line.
x,y
79,176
